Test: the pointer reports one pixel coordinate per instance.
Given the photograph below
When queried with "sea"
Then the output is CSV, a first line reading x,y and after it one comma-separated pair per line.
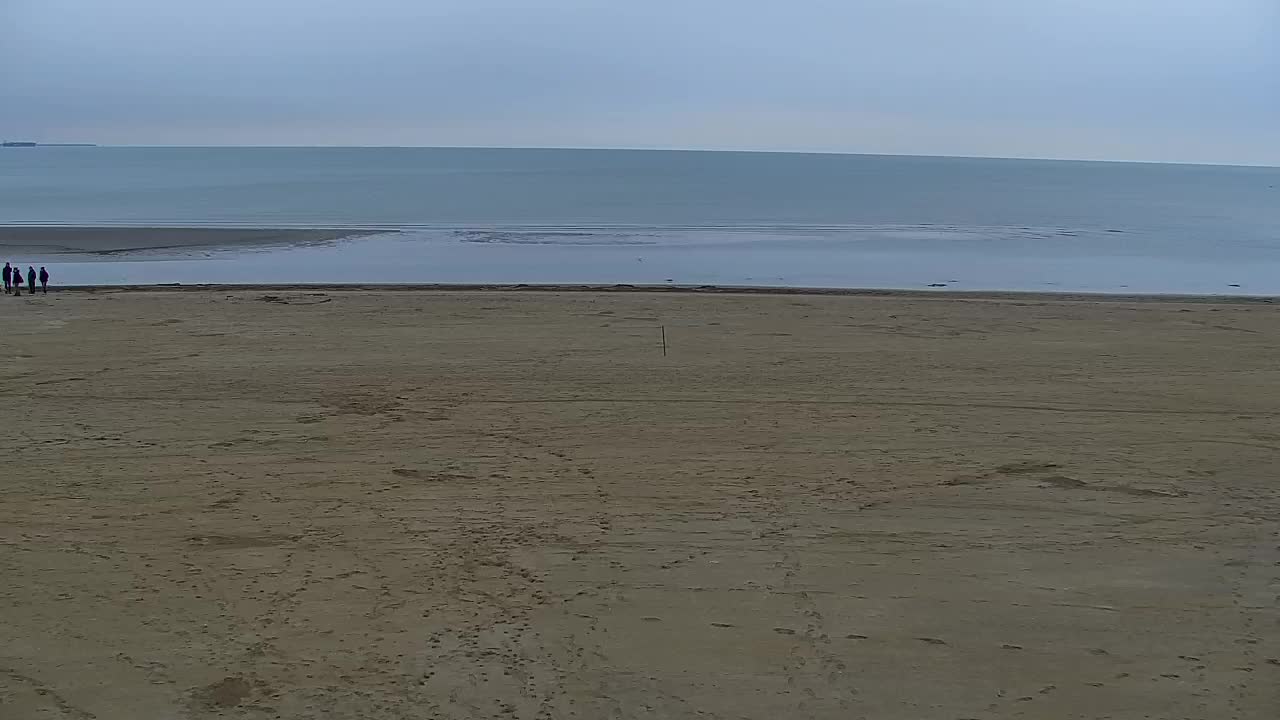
x,y
446,215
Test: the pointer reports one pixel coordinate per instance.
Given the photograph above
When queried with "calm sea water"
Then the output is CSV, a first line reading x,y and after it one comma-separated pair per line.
x,y
473,215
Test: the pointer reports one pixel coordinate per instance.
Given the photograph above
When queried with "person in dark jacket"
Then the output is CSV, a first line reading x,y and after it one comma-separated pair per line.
x,y
17,280
8,279
31,280
44,280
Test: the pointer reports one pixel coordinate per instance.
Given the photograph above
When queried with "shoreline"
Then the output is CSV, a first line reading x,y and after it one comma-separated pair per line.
x,y
729,290
407,259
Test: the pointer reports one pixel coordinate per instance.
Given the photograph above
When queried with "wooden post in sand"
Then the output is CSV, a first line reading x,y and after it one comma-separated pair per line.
x,y
664,340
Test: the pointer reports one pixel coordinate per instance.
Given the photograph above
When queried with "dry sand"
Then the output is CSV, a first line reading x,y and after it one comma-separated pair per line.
x,y
107,241
375,505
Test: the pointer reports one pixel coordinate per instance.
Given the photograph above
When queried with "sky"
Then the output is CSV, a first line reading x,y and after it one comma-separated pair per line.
x,y
1159,80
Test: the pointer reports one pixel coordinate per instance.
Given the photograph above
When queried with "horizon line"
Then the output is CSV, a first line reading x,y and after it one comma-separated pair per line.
x,y
1032,158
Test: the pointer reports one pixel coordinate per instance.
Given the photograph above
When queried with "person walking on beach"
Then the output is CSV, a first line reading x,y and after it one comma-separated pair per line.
x,y
44,280
17,281
31,280
8,279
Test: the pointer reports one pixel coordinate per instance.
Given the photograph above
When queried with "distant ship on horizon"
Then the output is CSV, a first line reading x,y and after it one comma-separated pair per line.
x,y
28,143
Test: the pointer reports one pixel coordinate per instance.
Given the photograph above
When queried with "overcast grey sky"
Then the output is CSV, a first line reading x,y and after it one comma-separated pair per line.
x,y
1177,80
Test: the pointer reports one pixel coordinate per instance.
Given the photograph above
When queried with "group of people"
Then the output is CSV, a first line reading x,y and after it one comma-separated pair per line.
x,y
13,280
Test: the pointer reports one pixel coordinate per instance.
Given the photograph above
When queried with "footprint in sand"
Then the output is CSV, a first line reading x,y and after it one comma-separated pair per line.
x,y
227,692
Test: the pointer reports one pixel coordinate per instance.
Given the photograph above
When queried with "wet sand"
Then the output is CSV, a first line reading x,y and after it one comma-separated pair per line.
x,y
387,504
106,240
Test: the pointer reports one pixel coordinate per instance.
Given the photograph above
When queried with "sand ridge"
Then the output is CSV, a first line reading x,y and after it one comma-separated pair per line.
x,y
118,240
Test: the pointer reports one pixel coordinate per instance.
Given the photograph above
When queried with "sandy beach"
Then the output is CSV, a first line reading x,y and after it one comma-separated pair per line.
x,y
378,504
109,240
